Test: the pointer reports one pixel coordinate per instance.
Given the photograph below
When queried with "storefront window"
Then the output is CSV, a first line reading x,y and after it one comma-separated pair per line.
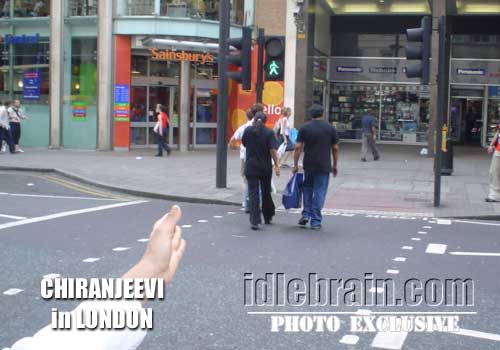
x,y
30,79
83,78
493,112
404,114
139,65
36,8
83,8
369,45
476,46
164,69
348,103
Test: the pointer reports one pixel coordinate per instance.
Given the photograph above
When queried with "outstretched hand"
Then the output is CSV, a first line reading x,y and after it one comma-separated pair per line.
x,y
164,251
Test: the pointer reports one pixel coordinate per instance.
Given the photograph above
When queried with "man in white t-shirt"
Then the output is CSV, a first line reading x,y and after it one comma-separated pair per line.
x,y
237,136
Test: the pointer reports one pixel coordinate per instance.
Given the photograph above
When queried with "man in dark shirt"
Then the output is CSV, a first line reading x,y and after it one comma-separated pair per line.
x,y
319,140
369,125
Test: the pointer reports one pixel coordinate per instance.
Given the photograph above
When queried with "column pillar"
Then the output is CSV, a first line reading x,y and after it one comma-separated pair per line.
x,y
56,71
290,50
184,106
438,10
104,75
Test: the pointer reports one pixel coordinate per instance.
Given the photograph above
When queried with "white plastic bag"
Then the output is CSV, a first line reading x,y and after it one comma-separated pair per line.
x,y
281,150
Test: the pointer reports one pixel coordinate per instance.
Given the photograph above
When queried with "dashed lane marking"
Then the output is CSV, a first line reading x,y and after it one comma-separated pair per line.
x,y
217,217
202,221
231,213
377,290
392,272
237,236
349,339
389,340
434,248
142,240
474,253
13,217
187,226
416,239
443,222
399,259
51,276
68,213
422,232
13,291
407,247
91,260
120,249
427,227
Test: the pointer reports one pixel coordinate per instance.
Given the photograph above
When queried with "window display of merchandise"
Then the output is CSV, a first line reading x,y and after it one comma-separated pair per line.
x,y
348,103
405,115
493,119
402,110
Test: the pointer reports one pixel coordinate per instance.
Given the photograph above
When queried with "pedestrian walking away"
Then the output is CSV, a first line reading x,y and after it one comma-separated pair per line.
x,y
5,134
282,130
15,115
369,126
494,149
261,145
161,129
237,136
319,141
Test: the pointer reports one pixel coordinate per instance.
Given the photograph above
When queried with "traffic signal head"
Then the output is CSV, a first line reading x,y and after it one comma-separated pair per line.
x,y
242,59
420,51
275,56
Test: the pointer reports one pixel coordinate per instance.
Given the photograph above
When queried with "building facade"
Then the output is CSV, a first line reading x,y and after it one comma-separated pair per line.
x,y
351,54
90,74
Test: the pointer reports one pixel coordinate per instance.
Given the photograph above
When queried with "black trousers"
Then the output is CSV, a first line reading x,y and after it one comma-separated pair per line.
x,y
15,131
6,136
268,209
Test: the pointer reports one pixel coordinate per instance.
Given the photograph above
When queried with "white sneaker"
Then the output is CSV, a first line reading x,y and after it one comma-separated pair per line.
x,y
3,150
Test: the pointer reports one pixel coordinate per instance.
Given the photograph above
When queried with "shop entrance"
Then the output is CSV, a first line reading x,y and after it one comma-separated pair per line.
x,y
144,102
204,114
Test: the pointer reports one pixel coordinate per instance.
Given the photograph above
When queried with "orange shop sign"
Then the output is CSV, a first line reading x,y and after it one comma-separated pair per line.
x,y
169,55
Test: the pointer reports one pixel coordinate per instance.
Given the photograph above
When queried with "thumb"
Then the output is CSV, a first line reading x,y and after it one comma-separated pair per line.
x,y
168,222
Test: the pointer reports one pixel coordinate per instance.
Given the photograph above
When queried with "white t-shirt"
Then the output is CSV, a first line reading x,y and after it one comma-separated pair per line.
x,y
238,135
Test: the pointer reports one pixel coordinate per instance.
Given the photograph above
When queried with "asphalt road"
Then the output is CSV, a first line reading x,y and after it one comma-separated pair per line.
x,y
50,225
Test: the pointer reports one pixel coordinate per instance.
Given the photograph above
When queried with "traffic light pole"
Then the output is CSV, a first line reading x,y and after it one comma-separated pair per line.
x,y
260,65
221,162
442,109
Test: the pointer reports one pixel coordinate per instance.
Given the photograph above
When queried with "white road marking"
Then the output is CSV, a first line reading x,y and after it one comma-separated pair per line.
x,y
443,222
91,260
349,339
399,259
236,236
389,340
13,291
474,253
476,334
416,239
67,213
407,247
392,272
202,221
217,217
422,232
30,184
425,219
378,290
187,226
12,217
120,249
52,275
231,213
477,223
363,312
143,240
427,227
434,248
56,197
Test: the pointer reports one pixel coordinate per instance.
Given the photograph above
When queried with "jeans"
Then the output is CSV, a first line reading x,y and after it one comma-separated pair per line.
x,y
15,132
268,209
7,137
315,187
160,139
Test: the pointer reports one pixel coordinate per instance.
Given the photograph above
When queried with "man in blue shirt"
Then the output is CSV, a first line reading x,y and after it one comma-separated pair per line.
x,y
369,126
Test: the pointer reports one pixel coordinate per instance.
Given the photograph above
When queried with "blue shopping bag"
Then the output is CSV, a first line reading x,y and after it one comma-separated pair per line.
x,y
292,195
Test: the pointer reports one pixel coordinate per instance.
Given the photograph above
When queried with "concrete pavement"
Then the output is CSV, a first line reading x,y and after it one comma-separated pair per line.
x,y
401,183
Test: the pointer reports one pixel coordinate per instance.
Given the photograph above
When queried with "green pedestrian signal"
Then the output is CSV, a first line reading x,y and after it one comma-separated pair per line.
x,y
274,70
275,58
